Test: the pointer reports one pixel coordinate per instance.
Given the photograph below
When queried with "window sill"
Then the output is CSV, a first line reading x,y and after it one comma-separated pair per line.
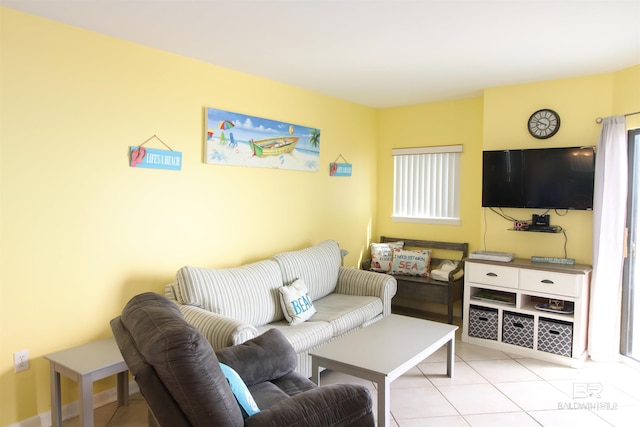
x,y
440,221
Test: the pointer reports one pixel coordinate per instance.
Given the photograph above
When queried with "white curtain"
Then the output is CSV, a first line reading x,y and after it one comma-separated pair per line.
x,y
609,219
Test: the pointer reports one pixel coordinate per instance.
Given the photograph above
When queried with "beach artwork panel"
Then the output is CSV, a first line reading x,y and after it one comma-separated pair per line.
x,y
241,140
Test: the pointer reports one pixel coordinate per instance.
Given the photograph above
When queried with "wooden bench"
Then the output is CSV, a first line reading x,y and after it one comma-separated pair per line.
x,y
426,289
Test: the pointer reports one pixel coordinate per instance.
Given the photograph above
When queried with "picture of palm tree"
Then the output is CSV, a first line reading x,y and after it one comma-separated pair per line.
x,y
314,140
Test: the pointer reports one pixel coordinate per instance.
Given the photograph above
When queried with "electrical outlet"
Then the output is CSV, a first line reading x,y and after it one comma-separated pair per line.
x,y
21,360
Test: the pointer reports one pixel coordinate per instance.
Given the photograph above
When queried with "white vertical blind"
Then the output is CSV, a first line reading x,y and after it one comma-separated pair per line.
x,y
427,184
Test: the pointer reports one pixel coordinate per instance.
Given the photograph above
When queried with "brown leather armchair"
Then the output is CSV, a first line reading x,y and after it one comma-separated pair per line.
x,y
180,377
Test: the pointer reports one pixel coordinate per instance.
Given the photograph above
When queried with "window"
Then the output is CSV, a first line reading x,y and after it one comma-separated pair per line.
x,y
426,184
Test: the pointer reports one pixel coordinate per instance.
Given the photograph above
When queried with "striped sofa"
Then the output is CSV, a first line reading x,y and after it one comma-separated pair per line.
x,y
230,306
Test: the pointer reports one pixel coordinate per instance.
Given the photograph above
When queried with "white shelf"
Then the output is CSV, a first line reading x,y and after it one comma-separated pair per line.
x,y
525,286
529,303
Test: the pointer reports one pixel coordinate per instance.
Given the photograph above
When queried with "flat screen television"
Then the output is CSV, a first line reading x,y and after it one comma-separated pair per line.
x,y
547,178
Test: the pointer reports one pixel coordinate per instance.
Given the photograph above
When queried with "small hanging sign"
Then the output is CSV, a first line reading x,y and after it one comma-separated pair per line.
x,y
340,169
151,158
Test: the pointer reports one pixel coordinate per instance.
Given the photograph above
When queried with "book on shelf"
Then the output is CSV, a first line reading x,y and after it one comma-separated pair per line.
x,y
495,296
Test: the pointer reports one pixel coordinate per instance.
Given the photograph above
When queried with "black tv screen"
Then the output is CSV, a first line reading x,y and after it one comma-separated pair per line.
x,y
547,178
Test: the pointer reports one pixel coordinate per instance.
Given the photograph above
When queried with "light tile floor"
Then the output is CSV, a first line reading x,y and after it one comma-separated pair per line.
x,y
489,388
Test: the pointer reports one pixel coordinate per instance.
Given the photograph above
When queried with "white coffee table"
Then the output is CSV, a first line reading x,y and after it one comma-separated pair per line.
x,y
384,351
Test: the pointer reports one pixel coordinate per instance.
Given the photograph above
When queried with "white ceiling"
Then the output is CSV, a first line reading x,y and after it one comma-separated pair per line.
x,y
379,53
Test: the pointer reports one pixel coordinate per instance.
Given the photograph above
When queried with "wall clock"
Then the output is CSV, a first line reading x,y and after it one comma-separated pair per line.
x,y
544,123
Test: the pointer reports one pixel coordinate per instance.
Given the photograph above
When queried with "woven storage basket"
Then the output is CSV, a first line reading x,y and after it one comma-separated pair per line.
x,y
483,322
555,336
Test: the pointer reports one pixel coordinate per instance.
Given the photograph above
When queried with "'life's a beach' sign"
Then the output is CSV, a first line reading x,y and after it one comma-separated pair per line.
x,y
339,169
151,158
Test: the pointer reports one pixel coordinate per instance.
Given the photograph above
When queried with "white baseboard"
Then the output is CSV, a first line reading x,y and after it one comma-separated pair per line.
x,y
71,410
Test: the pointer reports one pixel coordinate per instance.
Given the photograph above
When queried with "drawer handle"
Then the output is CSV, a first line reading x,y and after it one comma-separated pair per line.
x,y
554,332
518,325
484,319
492,275
547,281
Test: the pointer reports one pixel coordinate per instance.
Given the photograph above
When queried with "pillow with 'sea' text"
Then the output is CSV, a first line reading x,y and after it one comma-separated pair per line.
x,y
411,263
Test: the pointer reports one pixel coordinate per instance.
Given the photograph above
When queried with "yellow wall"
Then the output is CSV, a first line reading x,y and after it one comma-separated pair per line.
x,y
578,101
82,232
446,123
498,121
626,95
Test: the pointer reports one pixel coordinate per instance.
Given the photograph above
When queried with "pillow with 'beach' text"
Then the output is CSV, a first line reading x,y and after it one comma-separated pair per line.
x,y
296,302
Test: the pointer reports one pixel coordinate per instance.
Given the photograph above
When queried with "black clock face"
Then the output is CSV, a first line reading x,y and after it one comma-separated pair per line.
x,y
544,124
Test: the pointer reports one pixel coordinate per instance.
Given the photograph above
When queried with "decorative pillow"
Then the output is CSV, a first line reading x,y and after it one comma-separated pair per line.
x,y
411,263
296,302
382,255
443,270
248,406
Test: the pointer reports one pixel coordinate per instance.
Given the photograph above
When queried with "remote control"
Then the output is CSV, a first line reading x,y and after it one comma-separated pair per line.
x,y
552,260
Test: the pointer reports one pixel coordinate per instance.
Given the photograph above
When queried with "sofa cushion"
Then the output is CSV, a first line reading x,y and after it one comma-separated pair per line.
x,y
248,293
317,266
330,405
263,358
304,336
269,393
296,302
346,312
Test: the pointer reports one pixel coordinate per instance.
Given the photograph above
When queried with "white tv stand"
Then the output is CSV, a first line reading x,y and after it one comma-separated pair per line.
x,y
500,300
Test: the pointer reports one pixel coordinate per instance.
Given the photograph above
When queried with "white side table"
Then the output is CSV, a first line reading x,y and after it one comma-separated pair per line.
x,y
85,364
